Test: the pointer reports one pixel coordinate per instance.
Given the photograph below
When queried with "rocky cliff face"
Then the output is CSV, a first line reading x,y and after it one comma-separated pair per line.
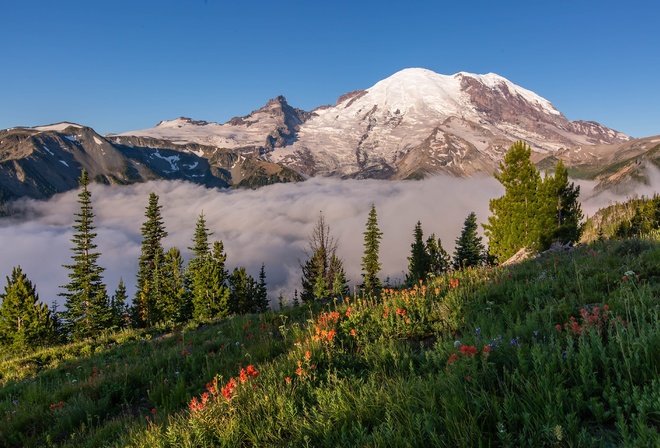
x,y
413,124
39,162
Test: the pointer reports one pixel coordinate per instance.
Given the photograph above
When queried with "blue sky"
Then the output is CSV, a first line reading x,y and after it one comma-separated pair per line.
x,y
124,65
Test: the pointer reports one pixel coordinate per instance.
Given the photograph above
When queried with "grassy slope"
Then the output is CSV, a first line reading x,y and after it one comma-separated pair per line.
x,y
474,358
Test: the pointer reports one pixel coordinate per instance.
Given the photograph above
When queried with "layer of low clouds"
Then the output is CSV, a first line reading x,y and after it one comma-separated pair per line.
x,y
270,225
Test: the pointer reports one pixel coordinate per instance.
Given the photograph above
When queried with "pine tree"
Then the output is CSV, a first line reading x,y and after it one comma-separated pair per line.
x,y
565,209
439,260
87,307
119,307
337,275
24,321
262,303
209,288
371,284
418,262
281,301
174,293
322,273
243,292
514,222
469,249
148,293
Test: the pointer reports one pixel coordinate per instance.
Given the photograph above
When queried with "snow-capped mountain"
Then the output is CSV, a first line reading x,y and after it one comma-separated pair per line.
x,y
273,125
41,161
414,123
417,122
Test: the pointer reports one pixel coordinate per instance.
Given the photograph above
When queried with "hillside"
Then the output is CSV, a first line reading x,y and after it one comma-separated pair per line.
x,y
561,350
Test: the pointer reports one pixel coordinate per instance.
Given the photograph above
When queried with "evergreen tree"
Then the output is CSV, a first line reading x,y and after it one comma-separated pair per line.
x,y
322,274
262,303
281,301
562,215
514,222
149,285
24,321
244,290
418,262
174,293
371,284
87,308
439,260
337,274
469,248
119,307
209,289
201,246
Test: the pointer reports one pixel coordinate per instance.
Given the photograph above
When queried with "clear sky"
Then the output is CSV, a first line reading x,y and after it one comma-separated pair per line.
x,y
124,65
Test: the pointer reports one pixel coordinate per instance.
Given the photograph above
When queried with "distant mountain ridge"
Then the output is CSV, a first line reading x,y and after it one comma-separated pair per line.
x,y
410,125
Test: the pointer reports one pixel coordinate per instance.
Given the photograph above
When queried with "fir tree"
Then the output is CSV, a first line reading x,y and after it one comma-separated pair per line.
x,y
119,307
261,300
469,248
439,260
371,284
562,213
243,292
174,293
152,254
322,274
87,308
209,289
24,321
337,274
418,262
514,222
281,301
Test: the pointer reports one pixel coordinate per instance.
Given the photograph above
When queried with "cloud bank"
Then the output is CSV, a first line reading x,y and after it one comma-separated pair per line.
x,y
270,225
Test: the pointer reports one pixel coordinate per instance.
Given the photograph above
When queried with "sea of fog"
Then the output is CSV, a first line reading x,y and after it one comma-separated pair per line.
x,y
269,225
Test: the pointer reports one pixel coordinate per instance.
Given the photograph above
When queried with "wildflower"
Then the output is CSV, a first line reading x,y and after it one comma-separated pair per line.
x,y
299,371
457,344
153,411
353,332
251,371
287,380
514,341
242,376
401,312
308,354
228,390
468,350
487,350
453,357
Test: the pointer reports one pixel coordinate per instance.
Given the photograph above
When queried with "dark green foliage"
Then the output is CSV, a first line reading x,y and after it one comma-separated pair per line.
x,y
261,300
149,284
534,212
418,262
371,284
561,218
469,250
87,308
119,307
439,260
24,321
174,300
323,274
244,290
208,284
513,223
